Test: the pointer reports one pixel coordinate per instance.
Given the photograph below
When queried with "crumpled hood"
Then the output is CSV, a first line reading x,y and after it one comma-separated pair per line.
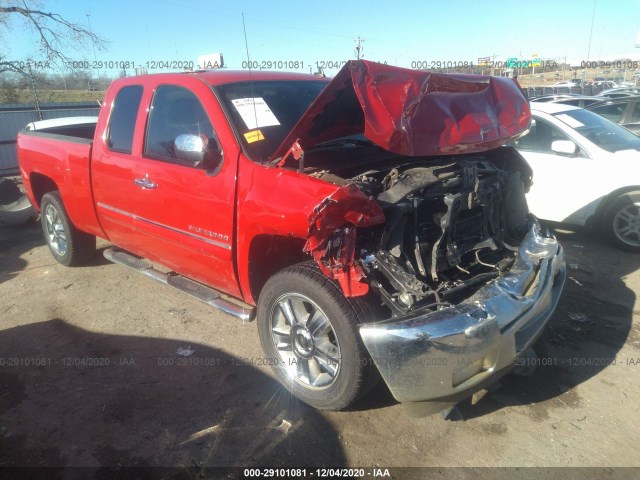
x,y
413,112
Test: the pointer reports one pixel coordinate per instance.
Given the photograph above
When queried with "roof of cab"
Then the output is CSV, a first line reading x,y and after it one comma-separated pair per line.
x,y
220,77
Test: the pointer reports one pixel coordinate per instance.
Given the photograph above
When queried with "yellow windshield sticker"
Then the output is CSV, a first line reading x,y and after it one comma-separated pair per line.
x,y
253,136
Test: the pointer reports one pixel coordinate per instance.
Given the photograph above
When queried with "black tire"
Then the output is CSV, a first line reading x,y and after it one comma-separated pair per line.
x,y
68,245
304,287
621,221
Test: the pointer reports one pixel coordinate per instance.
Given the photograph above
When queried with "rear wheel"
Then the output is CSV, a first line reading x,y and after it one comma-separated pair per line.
x,y
68,245
309,331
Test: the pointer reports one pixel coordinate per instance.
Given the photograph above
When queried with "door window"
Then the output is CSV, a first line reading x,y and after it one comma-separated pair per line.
x,y
613,112
540,137
175,111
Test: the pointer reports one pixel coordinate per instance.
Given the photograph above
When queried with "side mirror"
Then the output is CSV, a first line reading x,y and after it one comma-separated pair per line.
x,y
198,151
564,147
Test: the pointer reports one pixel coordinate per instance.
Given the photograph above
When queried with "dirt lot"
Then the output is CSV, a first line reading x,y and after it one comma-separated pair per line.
x,y
89,376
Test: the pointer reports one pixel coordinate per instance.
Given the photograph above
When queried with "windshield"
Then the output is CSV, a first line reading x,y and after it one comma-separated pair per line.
x,y
264,112
605,134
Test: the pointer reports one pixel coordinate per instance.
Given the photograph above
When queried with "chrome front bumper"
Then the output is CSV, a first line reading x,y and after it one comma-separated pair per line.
x,y
443,356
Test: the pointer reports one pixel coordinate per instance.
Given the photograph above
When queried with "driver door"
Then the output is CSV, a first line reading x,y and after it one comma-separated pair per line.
x,y
185,210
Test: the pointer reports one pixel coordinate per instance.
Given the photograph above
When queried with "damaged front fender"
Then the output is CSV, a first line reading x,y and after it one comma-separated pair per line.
x,y
332,235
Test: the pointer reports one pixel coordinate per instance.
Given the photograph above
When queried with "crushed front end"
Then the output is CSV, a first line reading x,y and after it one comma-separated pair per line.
x,y
467,276
430,221
432,358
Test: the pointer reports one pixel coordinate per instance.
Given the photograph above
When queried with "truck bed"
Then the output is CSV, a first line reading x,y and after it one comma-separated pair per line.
x,y
65,160
76,127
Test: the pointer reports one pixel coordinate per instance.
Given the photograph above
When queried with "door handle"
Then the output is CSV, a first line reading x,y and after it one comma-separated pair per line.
x,y
145,183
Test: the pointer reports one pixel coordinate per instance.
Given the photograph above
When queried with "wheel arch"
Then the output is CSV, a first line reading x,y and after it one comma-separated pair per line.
x,y
595,220
41,184
269,254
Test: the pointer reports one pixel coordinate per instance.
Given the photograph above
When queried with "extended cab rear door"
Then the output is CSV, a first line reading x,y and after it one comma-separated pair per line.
x,y
112,160
185,211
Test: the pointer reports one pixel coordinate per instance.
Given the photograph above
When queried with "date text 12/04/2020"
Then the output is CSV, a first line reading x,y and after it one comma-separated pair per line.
x,y
296,64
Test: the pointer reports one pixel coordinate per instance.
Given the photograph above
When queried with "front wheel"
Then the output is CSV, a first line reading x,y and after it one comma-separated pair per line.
x,y
309,330
621,221
68,245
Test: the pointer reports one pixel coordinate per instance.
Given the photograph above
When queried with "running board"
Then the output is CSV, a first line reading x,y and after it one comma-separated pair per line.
x,y
196,290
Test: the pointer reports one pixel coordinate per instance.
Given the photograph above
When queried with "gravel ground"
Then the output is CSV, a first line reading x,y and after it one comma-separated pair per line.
x,y
89,376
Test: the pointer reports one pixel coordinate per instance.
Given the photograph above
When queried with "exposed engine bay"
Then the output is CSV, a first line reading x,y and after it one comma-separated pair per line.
x,y
451,225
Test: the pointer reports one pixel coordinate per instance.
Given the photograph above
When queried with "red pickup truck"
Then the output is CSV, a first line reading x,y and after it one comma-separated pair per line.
x,y
375,224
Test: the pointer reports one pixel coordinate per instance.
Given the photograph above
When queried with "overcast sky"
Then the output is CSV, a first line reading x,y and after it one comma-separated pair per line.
x,y
395,32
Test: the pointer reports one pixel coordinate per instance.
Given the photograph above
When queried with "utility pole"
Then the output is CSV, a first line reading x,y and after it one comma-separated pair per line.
x,y
35,93
493,63
533,67
358,49
520,62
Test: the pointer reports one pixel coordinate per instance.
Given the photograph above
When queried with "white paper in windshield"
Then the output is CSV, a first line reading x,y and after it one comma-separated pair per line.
x,y
255,112
572,122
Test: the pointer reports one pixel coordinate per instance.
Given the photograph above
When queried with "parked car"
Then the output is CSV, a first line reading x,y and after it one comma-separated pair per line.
x,y
374,233
605,84
619,92
553,97
623,111
566,86
575,100
578,101
586,171
619,95
564,83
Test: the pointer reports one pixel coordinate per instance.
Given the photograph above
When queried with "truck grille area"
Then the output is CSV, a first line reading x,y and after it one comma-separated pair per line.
x,y
450,228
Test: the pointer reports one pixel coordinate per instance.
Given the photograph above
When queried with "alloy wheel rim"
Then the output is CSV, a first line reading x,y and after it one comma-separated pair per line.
x,y
626,224
305,341
56,234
